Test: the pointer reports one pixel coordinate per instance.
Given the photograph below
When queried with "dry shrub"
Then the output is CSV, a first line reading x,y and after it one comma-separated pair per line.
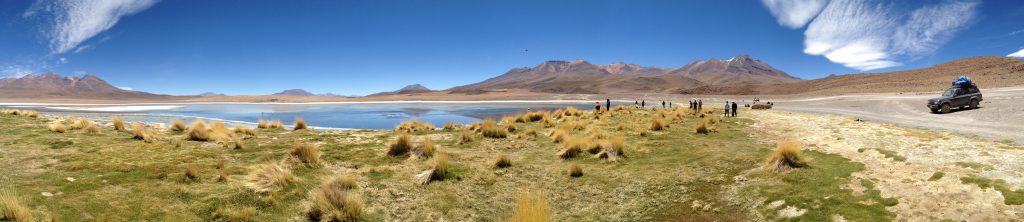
x,y
118,123
191,173
613,148
452,125
93,129
70,120
269,178
334,200
425,149
262,124
571,147
501,161
440,170
82,123
300,124
269,124
140,132
413,126
491,129
575,170
547,121
305,153
237,142
248,132
177,125
220,132
400,145
11,208
536,116
786,156
509,123
530,132
30,113
531,208
702,127
176,142
657,125
198,132
465,137
761,106
572,111
235,214
57,127
558,134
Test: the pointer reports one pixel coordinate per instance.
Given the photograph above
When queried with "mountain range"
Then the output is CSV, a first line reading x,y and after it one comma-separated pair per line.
x,y
582,77
740,75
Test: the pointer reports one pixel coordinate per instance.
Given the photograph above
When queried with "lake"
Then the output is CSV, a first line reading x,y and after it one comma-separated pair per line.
x,y
323,115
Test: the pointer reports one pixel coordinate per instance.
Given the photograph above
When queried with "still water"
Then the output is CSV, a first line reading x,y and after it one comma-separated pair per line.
x,y
329,115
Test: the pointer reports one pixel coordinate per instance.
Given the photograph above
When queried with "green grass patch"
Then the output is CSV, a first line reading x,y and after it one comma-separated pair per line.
x,y
975,166
936,176
1010,197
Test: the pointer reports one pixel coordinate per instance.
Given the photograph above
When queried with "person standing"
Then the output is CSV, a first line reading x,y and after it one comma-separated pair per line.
x,y
670,104
643,103
607,104
734,107
726,114
700,104
597,106
662,104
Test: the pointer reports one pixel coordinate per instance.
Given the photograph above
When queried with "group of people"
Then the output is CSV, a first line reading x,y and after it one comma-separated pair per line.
x,y
727,108
696,105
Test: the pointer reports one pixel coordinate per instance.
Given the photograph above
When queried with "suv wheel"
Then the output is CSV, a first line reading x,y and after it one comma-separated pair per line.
x,y
945,108
974,104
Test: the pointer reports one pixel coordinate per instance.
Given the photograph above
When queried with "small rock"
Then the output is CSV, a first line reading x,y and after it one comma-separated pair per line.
x,y
739,179
47,194
70,179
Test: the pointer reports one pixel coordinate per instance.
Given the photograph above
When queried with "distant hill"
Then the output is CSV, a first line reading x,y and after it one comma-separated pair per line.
x,y
53,86
986,71
582,77
410,89
294,92
210,94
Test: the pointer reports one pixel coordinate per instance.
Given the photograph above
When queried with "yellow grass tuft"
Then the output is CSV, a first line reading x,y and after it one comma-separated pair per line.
x,y
452,125
57,127
140,132
786,156
425,149
269,124
501,161
82,123
176,142
465,137
657,125
300,124
248,132
571,147
262,124
235,214
92,129
531,208
270,177
509,123
558,134
761,106
11,208
191,173
701,127
575,170
237,142
491,129
30,113
118,123
177,125
613,148
305,153
335,200
413,126
70,120
440,167
400,145
220,132
198,132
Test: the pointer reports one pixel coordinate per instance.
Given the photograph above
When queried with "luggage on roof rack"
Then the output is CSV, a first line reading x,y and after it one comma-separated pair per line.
x,y
962,81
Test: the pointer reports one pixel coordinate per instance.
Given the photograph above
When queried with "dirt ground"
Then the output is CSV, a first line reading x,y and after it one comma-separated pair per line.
x,y
911,180
1000,117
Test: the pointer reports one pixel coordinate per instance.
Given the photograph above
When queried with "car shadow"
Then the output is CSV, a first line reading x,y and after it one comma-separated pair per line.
x,y
956,110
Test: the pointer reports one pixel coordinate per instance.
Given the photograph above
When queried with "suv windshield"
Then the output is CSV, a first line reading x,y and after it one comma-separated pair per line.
x,y
949,92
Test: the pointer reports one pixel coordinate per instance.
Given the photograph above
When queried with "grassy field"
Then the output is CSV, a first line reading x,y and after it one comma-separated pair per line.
x,y
628,168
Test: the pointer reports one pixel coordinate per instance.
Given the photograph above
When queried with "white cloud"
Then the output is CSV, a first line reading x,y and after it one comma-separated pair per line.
x,y
75,21
15,71
794,13
126,88
62,60
1018,54
869,34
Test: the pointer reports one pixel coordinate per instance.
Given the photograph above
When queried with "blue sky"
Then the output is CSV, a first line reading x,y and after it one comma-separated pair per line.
x,y
360,47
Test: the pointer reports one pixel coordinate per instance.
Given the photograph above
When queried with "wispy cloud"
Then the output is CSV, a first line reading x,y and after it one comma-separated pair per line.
x,y
867,35
15,71
794,13
74,21
1018,54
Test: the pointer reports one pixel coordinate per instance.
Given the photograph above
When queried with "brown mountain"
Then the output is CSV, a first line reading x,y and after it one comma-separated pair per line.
x,y
294,92
53,86
986,71
410,89
582,77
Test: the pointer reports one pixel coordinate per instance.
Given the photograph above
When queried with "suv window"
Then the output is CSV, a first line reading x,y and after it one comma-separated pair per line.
x,y
950,92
